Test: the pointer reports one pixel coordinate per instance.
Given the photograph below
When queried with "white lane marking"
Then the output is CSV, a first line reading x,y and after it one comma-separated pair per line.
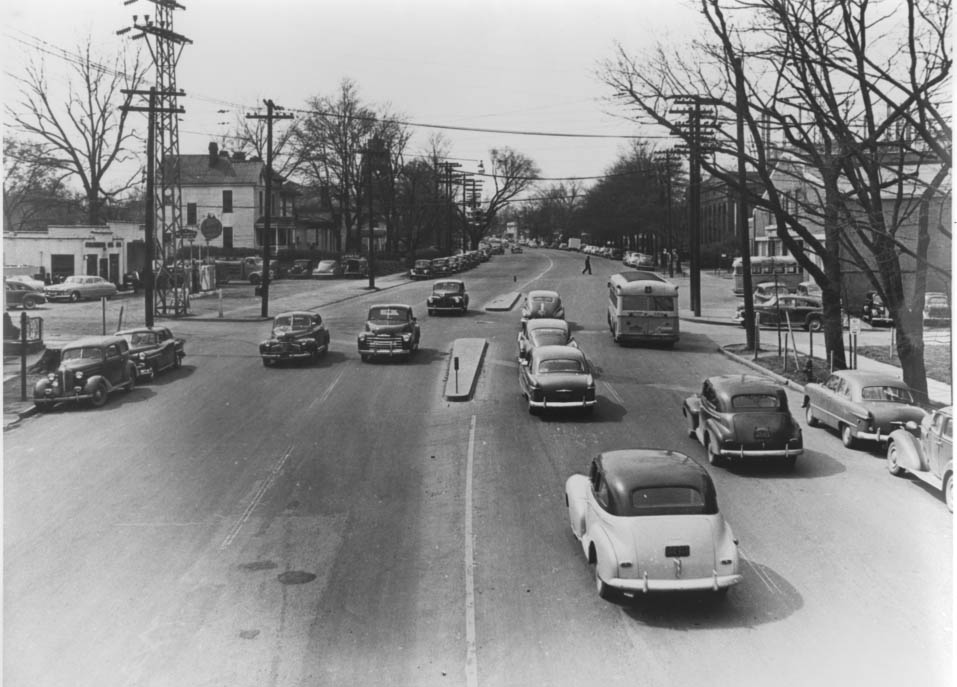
x,y
327,392
761,575
471,667
537,276
613,393
257,498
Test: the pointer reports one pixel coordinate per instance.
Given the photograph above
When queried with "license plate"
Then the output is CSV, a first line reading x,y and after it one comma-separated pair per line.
x,y
762,433
677,551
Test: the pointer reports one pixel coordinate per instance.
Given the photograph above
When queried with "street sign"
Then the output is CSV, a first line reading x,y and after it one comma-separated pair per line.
x,y
211,228
188,234
855,325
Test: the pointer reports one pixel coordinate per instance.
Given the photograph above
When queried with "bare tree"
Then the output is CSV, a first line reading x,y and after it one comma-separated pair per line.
x,y
842,107
249,137
511,174
87,136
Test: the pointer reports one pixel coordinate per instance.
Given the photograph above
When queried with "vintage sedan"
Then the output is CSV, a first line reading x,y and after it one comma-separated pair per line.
x,y
936,309
557,377
391,330
153,350
543,332
448,295
875,312
648,521
800,311
926,451
299,269
441,267
327,269
80,287
860,405
20,294
542,303
296,335
421,269
743,416
90,370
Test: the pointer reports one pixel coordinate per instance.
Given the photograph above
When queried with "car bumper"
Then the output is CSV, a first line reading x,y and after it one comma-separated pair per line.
x,y
144,370
562,404
760,453
645,585
297,355
385,350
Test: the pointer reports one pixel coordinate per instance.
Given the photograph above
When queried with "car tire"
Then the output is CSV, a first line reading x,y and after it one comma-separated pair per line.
x,y
43,406
177,361
267,363
364,357
99,395
809,415
691,428
605,592
132,384
948,489
431,311
790,462
847,436
254,280
29,303
714,459
893,464
814,324
75,296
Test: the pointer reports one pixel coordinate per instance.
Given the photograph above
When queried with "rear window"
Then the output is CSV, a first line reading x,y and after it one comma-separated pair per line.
x,y
894,394
648,302
560,365
543,299
668,501
755,402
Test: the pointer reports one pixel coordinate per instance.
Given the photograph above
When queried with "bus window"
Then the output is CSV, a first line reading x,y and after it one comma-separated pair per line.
x,y
779,268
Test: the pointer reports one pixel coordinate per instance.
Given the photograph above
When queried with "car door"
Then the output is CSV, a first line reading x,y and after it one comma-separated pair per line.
x,y
596,510
707,411
826,400
167,348
113,365
939,443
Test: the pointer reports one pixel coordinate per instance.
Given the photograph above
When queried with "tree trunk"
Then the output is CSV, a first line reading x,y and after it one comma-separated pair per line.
x,y
909,326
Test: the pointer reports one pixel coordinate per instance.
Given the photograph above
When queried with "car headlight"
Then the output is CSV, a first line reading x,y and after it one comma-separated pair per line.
x,y
142,356
590,381
362,336
51,377
79,374
407,336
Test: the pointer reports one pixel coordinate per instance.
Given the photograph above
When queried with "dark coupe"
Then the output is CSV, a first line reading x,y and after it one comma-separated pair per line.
x,y
544,331
448,295
90,370
296,335
153,350
542,303
800,311
743,416
557,377
391,330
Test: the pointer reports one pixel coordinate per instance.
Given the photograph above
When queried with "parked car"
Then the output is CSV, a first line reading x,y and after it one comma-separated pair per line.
x,y
90,370
860,405
800,311
36,284
80,287
441,267
422,269
926,450
18,294
300,269
557,377
296,335
448,295
936,309
153,350
743,416
355,267
327,269
541,303
544,331
766,292
648,521
516,248
809,288
390,330
874,311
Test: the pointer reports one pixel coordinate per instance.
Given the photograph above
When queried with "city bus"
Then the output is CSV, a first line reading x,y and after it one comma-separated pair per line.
x,y
782,270
642,308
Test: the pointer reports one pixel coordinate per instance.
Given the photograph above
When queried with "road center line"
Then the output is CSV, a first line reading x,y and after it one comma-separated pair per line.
x,y
538,276
471,668
257,498
328,391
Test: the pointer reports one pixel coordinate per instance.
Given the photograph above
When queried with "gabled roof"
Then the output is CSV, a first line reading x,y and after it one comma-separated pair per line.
x,y
196,170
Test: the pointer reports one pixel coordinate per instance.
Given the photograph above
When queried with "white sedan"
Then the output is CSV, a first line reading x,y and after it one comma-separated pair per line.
x,y
648,520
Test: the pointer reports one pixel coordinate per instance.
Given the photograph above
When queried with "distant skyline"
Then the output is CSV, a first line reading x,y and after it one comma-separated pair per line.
x,y
528,66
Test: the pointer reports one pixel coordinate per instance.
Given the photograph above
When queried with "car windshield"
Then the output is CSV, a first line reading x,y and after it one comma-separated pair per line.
x,y
82,352
140,338
560,365
422,263
894,394
538,300
646,302
545,337
326,265
292,322
73,280
754,402
389,314
665,500
447,287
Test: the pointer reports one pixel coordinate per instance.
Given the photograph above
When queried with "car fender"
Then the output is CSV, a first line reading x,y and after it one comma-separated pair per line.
x,y
713,429
691,409
41,386
576,500
93,381
909,454
606,554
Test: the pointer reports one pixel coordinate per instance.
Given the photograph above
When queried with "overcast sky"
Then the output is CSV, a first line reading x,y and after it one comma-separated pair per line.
x,y
519,65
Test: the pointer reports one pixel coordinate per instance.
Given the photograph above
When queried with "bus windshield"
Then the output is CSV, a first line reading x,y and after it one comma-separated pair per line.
x,y
648,302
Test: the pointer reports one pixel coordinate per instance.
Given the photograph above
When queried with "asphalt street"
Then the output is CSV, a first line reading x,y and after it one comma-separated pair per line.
x,y
343,523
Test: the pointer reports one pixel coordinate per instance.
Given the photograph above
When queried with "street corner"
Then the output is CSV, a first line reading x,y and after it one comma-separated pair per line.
x,y
465,362
503,303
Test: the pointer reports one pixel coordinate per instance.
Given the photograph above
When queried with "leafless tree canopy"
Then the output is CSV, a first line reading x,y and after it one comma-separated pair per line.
x,y
88,135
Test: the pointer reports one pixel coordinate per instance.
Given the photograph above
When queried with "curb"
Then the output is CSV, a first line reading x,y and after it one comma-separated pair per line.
x,y
504,302
780,379
469,353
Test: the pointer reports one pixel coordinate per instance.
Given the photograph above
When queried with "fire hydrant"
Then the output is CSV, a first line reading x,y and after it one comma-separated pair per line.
x,y
809,371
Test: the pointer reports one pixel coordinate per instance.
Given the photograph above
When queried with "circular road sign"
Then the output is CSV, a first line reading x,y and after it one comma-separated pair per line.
x,y
211,228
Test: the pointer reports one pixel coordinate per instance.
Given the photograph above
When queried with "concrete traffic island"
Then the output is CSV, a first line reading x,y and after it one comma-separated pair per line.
x,y
465,362
503,302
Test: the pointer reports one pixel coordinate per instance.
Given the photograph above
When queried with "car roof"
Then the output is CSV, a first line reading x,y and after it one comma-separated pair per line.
x,y
629,469
744,384
290,313
448,281
96,341
135,330
554,351
864,378
546,323
537,293
390,305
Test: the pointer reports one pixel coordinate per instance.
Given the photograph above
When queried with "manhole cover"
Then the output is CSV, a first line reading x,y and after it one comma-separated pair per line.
x,y
249,634
296,577
258,565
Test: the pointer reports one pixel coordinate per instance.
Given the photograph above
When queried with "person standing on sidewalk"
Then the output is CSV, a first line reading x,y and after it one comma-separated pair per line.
x,y
587,269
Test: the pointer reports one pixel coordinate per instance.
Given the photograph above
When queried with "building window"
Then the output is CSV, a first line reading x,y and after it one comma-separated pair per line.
x,y
227,201
227,237
191,214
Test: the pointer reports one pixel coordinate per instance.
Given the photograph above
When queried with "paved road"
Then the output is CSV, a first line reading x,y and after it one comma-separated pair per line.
x,y
342,524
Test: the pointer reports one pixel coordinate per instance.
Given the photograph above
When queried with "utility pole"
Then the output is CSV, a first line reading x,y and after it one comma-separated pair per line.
x,y
448,167
372,156
667,156
267,210
150,239
743,234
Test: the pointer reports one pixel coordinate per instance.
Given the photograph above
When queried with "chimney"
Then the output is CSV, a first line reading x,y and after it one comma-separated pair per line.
x,y
213,154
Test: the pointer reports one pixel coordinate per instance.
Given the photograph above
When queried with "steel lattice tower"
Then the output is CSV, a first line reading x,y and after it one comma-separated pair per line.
x,y
165,46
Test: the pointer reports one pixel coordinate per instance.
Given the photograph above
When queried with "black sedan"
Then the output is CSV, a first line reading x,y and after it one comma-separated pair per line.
x,y
800,311
296,335
153,350
448,295
556,377
743,416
